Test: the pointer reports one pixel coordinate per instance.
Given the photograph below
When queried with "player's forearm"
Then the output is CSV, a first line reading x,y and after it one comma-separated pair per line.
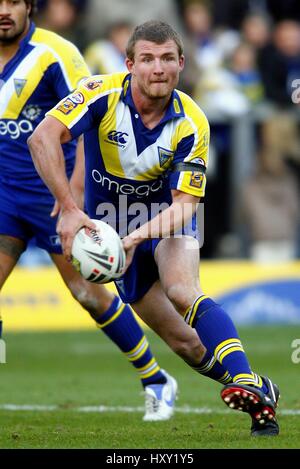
x,y
168,222
48,158
77,178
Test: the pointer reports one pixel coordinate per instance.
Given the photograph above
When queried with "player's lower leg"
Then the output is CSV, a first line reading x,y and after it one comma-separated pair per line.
x,y
220,337
247,391
120,325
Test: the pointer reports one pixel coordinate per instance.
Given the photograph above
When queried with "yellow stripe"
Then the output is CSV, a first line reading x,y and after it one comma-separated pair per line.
x,y
186,312
113,318
136,347
152,372
143,368
225,342
228,351
260,383
141,353
195,307
226,375
243,375
110,152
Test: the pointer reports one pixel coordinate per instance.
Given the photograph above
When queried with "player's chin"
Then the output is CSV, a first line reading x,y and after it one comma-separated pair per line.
x,y
7,35
159,93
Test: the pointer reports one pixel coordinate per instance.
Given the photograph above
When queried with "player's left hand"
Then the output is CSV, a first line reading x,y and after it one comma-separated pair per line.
x,y
129,245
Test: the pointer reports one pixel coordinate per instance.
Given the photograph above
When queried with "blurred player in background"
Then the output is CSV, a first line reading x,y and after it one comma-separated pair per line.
x,y
159,154
38,68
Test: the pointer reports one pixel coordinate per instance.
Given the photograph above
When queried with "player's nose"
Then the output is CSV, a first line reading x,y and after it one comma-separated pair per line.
x,y
158,69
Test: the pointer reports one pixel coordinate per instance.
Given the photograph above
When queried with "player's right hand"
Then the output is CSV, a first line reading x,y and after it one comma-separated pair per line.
x,y
69,222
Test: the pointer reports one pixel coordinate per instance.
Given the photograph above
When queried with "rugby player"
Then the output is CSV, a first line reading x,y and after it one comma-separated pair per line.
x,y
149,142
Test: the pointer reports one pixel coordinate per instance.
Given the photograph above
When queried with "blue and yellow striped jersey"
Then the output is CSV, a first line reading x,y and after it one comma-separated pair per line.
x,y
45,69
123,157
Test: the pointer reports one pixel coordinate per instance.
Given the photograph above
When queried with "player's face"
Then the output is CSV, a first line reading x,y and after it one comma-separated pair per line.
x,y
155,68
14,19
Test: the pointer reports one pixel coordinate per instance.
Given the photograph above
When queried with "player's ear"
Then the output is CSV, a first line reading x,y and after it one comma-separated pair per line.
x,y
181,62
129,64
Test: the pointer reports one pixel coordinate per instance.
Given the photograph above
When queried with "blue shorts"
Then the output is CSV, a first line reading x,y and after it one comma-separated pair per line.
x,y
141,274
25,214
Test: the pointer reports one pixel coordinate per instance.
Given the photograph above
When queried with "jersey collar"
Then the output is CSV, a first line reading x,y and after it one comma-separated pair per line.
x,y
28,36
174,110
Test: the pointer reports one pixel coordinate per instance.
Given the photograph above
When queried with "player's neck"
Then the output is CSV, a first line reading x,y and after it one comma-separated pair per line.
x,y
9,50
150,110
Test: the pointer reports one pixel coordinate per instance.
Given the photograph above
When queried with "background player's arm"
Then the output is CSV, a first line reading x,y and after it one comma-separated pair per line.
x,y
45,146
166,223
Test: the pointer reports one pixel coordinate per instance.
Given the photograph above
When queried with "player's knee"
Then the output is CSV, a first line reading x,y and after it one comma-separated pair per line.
x,y
95,303
178,295
81,294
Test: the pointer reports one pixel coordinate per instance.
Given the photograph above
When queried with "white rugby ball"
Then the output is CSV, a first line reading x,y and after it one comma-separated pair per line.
x,y
98,255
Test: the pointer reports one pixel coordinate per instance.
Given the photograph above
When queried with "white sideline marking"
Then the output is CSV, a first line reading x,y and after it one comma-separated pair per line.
x,y
104,408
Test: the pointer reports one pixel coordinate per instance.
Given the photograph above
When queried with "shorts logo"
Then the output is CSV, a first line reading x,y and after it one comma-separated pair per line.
x,y
117,138
55,240
197,180
93,84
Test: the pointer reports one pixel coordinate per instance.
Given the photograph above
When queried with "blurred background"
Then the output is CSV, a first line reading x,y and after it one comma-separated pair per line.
x,y
243,69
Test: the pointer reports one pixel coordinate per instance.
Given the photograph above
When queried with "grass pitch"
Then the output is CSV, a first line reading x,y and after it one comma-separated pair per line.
x,y
63,379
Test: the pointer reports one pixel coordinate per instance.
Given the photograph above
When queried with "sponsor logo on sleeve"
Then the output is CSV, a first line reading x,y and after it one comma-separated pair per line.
x,y
93,84
70,103
77,98
197,180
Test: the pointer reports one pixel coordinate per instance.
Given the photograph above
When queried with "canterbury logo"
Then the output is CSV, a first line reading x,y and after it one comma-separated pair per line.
x,y
117,137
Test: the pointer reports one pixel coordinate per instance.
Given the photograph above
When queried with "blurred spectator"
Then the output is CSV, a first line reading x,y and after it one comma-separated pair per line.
x,y
270,199
108,55
198,27
256,30
65,18
279,63
243,67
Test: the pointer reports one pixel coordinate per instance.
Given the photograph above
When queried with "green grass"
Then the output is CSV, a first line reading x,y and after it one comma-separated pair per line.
x,y
69,370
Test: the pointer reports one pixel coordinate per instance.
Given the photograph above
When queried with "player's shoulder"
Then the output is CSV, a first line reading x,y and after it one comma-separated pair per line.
x,y
52,41
104,84
191,109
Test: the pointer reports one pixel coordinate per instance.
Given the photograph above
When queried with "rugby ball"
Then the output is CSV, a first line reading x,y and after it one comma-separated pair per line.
x,y
98,254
